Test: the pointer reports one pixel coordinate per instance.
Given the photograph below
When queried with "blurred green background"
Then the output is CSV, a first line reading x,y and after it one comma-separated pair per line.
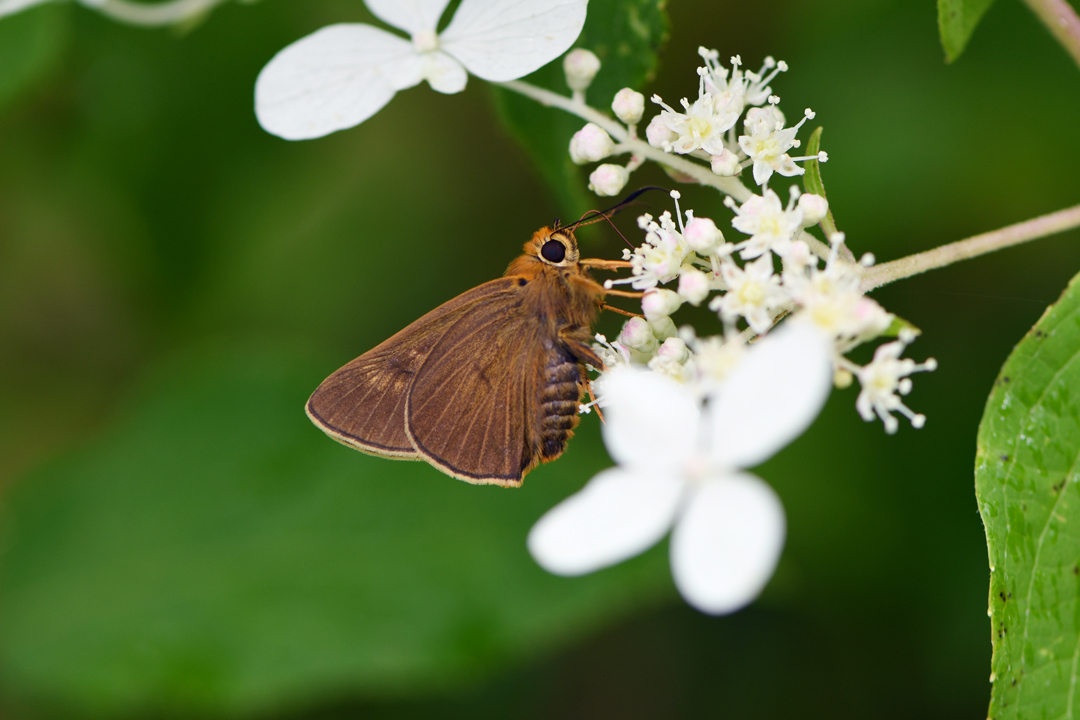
x,y
177,540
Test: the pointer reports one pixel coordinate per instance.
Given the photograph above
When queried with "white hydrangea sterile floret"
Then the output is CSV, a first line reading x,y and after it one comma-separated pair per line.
x,y
885,379
608,180
628,106
580,66
680,468
341,75
590,144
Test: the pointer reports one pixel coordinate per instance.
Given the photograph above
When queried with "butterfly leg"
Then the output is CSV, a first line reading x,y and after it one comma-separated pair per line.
x,y
620,311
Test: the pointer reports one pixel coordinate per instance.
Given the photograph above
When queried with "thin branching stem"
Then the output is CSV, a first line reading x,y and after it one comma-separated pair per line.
x,y
972,247
1062,21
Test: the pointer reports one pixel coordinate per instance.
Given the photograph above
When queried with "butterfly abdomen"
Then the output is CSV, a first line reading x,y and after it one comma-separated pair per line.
x,y
560,393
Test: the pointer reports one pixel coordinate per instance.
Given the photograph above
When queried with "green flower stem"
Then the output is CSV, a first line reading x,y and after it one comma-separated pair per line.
x,y
703,175
972,247
1063,22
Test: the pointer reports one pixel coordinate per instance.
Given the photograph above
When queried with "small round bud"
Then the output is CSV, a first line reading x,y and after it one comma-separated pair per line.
x,y
703,236
581,67
726,164
663,328
660,303
590,144
674,349
628,106
693,285
637,334
608,180
659,134
814,208
842,379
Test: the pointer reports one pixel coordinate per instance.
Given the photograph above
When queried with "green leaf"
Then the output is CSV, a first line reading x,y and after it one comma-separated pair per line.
x,y
626,35
813,182
1027,481
956,23
217,553
30,45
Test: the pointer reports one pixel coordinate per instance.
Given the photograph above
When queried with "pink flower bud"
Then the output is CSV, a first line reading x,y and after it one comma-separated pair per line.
x,y
628,106
693,285
659,134
703,236
637,334
608,180
581,67
726,164
590,144
660,303
674,349
814,208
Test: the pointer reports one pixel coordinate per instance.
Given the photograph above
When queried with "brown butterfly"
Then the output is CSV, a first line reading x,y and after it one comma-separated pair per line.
x,y
486,386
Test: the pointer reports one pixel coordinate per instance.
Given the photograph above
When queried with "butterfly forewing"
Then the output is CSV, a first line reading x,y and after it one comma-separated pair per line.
x,y
363,404
471,401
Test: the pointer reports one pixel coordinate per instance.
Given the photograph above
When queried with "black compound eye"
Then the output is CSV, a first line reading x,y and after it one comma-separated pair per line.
x,y
553,251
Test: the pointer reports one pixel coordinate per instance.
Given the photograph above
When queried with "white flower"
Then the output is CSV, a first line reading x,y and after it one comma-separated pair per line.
x,y
608,179
659,258
715,358
628,106
590,144
754,292
679,467
658,133
704,123
341,75
771,226
885,379
753,87
767,141
580,67
832,299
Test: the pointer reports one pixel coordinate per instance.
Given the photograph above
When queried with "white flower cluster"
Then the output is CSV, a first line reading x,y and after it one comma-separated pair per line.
x,y
686,415
779,275
705,129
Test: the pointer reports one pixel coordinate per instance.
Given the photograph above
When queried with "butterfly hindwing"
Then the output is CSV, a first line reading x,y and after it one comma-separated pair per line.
x,y
362,405
470,404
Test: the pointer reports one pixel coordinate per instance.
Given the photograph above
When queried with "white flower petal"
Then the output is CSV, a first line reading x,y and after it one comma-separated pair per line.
x,y
617,515
333,79
502,40
727,542
652,421
412,16
444,73
771,397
